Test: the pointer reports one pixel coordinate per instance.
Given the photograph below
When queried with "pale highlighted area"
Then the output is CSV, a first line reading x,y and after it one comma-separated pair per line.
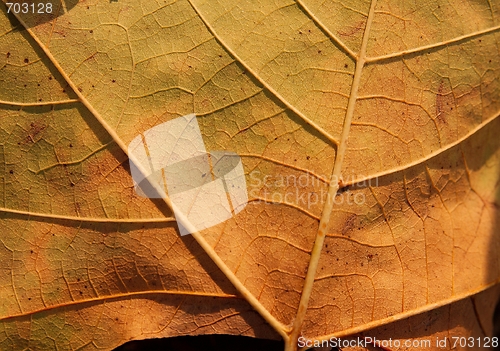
x,y
205,188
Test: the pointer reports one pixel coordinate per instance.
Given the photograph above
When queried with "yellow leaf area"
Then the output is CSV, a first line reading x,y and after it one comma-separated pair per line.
x,y
368,133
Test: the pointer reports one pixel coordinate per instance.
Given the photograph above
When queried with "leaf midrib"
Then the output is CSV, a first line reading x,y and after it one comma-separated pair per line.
x,y
334,184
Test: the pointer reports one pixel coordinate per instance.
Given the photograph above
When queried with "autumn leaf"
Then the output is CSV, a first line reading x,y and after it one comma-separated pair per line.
x,y
367,131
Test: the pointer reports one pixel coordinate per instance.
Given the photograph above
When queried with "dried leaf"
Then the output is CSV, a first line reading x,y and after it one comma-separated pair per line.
x,y
368,134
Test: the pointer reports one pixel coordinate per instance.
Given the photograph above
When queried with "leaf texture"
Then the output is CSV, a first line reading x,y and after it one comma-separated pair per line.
x,y
367,130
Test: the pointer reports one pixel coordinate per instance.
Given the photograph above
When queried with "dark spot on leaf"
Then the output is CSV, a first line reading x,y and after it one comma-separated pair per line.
x,y
91,31
349,224
8,54
308,157
50,77
80,89
38,84
70,145
343,189
35,129
346,66
114,81
11,171
26,60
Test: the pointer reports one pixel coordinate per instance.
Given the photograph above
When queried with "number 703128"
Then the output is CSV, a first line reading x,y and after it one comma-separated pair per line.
x,y
25,7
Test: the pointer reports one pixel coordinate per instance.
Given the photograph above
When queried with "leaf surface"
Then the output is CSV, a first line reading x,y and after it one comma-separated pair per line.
x,y
368,133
